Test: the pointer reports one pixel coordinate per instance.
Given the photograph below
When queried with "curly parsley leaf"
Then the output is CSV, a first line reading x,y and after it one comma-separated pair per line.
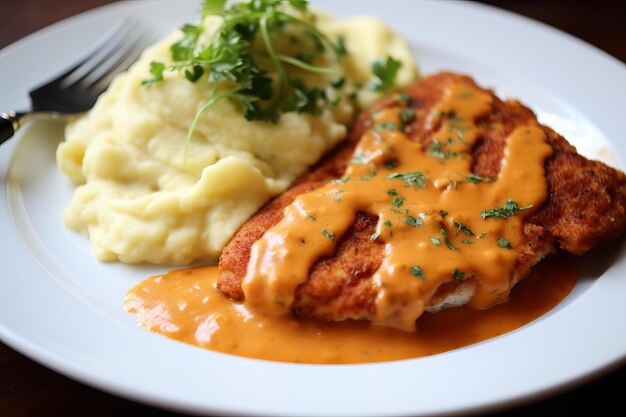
x,y
410,178
504,243
385,73
156,69
458,275
417,271
510,208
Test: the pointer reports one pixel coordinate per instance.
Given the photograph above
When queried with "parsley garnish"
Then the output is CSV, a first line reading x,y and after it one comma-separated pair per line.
x,y
467,242
407,115
448,241
397,201
509,209
392,191
387,126
437,151
403,98
416,271
410,178
374,236
475,178
413,221
340,181
328,234
391,164
504,243
387,223
434,240
156,69
443,213
358,158
337,83
231,65
463,228
458,275
385,73
312,217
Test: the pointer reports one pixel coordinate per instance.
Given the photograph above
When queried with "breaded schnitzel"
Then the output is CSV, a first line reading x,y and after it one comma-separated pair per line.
x,y
584,206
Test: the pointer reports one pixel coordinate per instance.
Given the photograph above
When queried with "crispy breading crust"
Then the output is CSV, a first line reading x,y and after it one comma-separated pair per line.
x,y
585,207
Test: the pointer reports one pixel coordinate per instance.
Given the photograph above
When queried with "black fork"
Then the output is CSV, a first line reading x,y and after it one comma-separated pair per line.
x,y
77,89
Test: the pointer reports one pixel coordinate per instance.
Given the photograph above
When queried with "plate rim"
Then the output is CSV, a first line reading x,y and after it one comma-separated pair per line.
x,y
55,361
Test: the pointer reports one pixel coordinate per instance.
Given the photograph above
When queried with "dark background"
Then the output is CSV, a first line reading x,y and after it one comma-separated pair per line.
x,y
29,389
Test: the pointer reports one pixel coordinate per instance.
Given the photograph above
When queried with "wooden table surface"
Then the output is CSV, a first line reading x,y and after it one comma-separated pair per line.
x,y
29,389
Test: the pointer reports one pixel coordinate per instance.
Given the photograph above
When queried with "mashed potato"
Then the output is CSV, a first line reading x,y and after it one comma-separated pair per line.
x,y
139,201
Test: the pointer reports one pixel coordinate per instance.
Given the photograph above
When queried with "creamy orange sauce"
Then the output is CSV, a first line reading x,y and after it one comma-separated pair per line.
x,y
429,207
437,224
185,306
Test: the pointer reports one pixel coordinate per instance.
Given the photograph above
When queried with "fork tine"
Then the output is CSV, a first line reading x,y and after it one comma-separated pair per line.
x,y
121,63
93,52
96,63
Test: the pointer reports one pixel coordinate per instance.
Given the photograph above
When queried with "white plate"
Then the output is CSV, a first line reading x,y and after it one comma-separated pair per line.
x,y
62,308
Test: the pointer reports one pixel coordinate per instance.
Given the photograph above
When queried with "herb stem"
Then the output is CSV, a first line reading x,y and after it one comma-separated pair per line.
x,y
313,29
273,56
214,99
301,64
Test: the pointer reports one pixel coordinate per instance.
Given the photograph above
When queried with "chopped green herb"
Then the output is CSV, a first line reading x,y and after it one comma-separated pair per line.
x,y
411,178
333,102
407,115
387,126
403,98
228,59
374,236
391,164
434,240
475,178
453,184
458,275
328,234
397,201
358,158
387,223
467,242
509,209
337,83
194,74
392,191
437,151
413,221
504,243
443,213
341,45
156,69
463,228
449,243
459,129
416,271
341,181
482,235
385,73
312,217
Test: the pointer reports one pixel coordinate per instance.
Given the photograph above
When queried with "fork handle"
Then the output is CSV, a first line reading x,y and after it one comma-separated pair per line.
x,y
9,123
